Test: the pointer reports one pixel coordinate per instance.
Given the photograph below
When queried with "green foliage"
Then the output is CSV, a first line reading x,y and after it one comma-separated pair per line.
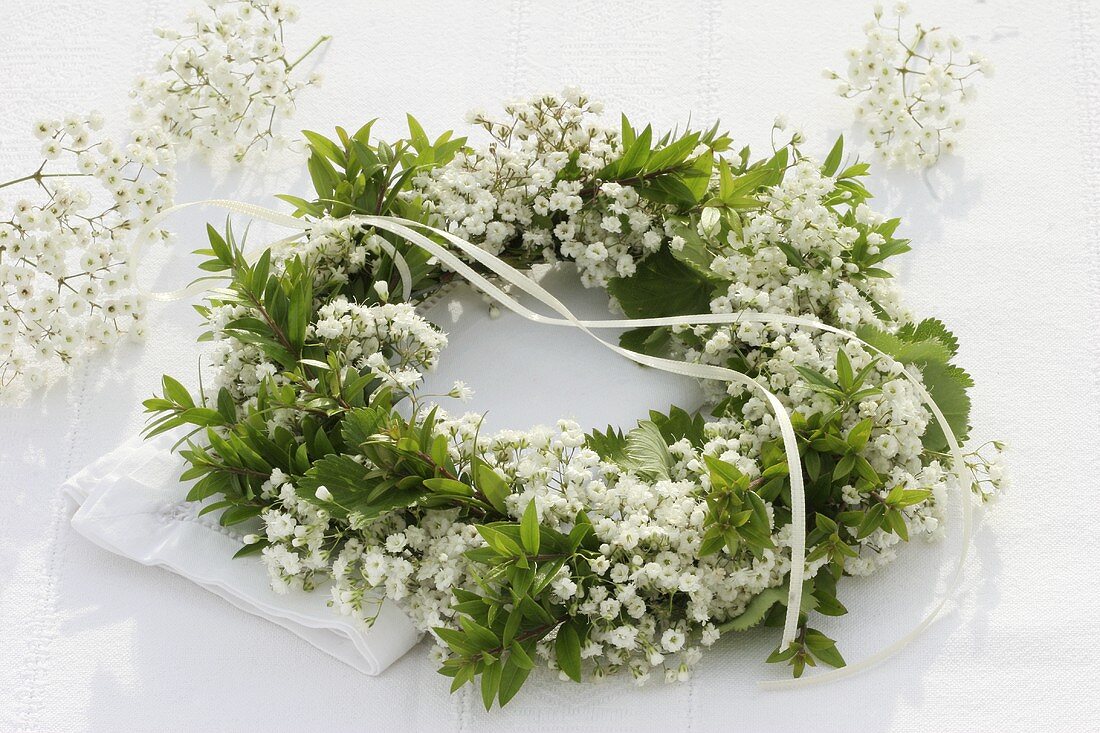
x,y
679,424
931,347
808,649
514,609
761,607
610,445
665,171
948,385
647,452
645,449
736,514
353,175
662,286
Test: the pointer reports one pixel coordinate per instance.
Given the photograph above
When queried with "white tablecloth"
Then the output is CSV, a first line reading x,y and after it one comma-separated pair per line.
x,y
1005,252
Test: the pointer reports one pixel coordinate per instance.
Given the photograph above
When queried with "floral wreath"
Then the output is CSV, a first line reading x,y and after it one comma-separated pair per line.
x,y
834,421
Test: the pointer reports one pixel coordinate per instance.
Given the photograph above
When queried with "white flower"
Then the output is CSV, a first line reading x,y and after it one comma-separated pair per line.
x,y
624,637
461,392
672,640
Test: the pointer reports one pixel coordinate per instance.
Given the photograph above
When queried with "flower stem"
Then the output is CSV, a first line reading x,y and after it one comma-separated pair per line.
x,y
38,175
311,49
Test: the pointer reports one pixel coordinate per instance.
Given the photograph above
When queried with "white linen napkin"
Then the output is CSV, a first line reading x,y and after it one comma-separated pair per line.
x,y
132,503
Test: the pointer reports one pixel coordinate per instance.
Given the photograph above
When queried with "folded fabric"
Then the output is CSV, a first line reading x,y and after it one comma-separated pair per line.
x,y
132,503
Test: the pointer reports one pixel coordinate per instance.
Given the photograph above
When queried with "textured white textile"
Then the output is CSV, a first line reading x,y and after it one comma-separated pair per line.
x,y
131,502
1004,251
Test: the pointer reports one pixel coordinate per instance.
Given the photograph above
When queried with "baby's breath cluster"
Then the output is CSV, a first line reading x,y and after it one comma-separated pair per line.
x,y
535,189
587,553
65,283
227,78
908,85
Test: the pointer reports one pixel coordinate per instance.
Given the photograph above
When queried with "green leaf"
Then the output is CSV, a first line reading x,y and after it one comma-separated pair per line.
x,y
896,524
300,308
930,329
238,514
490,683
609,445
627,132
674,154
647,453
499,541
529,529
832,161
218,245
697,178
679,424
512,676
355,488
845,376
226,407
448,486
823,648
567,649
860,434
635,157
323,175
481,637
520,656
360,425
325,147
723,474
490,483
176,392
650,340
662,286
463,674
872,520
713,541
901,497
817,379
417,135
906,350
757,609
866,471
740,190
694,253
947,386
667,189
844,467
458,642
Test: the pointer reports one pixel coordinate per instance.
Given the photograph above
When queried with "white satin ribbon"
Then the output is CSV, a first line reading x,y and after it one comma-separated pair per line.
x,y
405,228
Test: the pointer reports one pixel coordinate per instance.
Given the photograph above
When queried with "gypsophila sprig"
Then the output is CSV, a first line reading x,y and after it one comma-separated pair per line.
x,y
591,553
66,286
909,85
66,281
228,77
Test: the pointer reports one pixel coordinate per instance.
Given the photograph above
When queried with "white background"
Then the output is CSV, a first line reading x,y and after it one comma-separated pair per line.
x,y
1004,252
